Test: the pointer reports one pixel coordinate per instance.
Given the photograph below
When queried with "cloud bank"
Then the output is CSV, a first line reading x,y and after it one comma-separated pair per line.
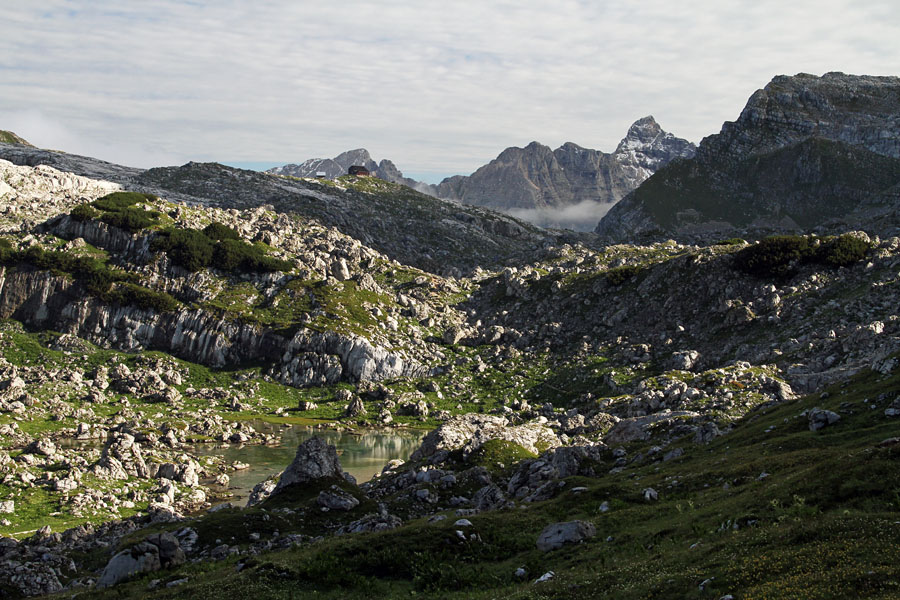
x,y
583,216
434,86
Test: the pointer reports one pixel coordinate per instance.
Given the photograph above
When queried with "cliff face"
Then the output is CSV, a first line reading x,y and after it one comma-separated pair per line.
x,y
806,152
538,177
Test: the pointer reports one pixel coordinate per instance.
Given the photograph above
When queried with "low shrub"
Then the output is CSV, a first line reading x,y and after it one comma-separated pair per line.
x,y
84,212
110,285
731,242
843,251
188,248
132,219
129,294
218,231
774,256
195,250
778,256
117,201
620,275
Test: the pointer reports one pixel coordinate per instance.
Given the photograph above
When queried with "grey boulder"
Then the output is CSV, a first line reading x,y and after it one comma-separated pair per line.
x,y
558,535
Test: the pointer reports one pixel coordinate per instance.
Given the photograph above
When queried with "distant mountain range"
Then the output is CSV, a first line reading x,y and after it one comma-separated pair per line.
x,y
339,165
807,152
536,183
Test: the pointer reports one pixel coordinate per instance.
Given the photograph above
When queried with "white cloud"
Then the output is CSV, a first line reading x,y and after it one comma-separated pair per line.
x,y
583,216
434,86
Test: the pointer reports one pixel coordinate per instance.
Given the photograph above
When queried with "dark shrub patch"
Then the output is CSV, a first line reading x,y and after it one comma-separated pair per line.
x,y
97,277
731,242
119,211
126,294
195,250
620,275
120,200
188,248
217,231
779,255
842,251
84,212
131,219
774,256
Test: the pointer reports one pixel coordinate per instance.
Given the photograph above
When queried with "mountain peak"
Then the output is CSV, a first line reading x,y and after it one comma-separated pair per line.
x,y
360,156
645,129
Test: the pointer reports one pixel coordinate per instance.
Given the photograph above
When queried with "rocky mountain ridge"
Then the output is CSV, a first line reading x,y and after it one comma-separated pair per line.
x,y
538,177
340,164
534,178
453,238
805,152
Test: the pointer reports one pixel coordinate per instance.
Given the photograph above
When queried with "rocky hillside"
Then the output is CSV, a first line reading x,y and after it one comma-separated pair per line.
x,y
449,238
806,152
536,177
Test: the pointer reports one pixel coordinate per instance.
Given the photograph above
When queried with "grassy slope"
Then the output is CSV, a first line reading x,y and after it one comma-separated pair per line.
x,y
821,524
8,137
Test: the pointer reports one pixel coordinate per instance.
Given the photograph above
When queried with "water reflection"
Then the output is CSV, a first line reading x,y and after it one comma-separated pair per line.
x,y
362,455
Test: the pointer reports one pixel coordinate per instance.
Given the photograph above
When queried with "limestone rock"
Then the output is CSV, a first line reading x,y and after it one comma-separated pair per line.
x,y
469,432
314,460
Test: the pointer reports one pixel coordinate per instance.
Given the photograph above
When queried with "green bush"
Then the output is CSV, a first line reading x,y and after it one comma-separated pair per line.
x,y
777,256
620,275
774,256
842,251
117,201
731,242
84,212
132,219
233,255
218,231
129,294
188,248
195,250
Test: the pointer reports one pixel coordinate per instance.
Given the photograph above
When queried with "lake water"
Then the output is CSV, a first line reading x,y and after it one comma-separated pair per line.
x,y
362,454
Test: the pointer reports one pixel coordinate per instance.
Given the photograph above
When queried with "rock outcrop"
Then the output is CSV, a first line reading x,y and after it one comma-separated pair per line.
x,y
470,432
314,460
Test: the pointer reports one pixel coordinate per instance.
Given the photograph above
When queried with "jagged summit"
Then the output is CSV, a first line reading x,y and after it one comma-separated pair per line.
x,y
805,152
536,177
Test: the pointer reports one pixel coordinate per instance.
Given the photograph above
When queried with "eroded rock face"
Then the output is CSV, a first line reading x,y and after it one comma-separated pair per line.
x,y
315,459
469,432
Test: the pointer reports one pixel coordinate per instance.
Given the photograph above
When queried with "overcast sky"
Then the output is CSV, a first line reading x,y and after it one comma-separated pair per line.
x,y
438,87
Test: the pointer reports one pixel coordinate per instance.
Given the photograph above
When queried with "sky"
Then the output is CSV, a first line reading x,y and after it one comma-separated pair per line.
x,y
438,87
